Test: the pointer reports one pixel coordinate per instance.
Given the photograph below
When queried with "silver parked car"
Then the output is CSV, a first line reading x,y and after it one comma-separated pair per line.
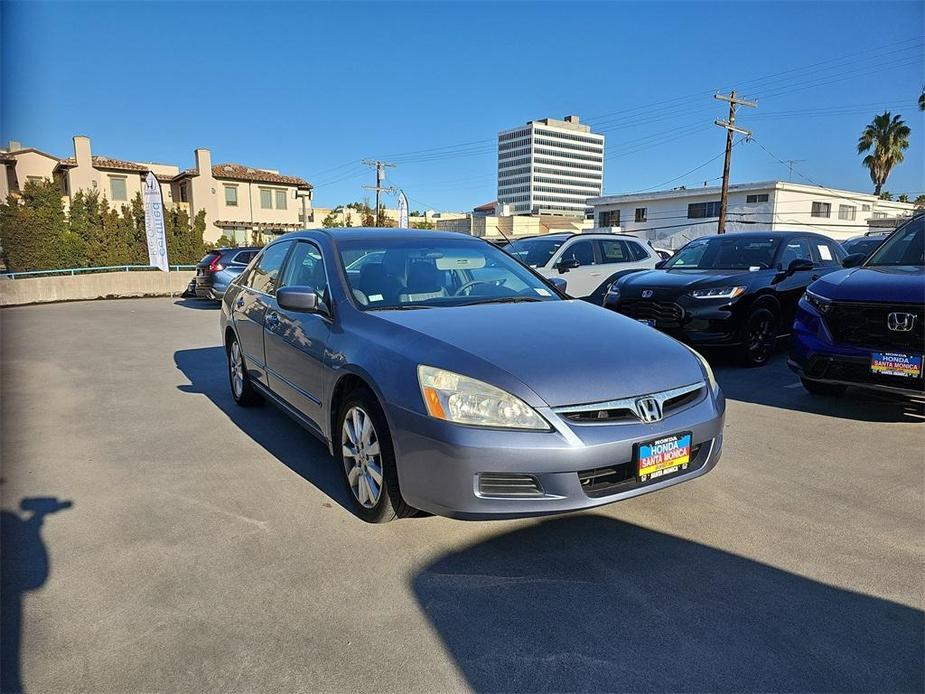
x,y
446,376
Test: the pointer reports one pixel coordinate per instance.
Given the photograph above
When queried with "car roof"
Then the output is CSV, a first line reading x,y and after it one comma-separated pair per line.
x,y
374,233
766,234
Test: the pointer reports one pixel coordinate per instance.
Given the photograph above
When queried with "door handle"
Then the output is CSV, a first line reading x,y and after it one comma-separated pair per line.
x,y
240,302
271,320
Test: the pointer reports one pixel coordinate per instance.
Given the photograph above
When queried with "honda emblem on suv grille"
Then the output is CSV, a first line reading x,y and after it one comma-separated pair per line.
x,y
646,293
648,410
900,322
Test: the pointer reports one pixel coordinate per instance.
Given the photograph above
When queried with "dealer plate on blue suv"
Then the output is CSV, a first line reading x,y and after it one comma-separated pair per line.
x,y
896,364
663,456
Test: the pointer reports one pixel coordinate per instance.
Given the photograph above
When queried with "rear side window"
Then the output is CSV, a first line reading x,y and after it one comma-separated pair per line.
x,y
244,257
615,251
264,277
637,250
826,254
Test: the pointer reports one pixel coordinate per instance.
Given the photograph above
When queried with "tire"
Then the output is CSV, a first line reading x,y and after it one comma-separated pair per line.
x,y
759,337
242,391
368,459
826,389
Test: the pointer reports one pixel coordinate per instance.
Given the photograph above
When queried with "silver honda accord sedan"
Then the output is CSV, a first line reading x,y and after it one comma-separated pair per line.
x,y
445,376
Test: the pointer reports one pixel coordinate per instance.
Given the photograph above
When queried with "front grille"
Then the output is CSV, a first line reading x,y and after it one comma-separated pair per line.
x,y
653,310
624,410
866,325
509,485
858,371
603,481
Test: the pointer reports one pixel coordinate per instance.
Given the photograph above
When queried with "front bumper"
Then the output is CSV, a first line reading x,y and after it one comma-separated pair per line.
x,y
703,323
815,356
440,463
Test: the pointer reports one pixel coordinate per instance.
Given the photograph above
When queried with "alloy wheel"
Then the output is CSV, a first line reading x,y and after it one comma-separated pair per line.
x,y
761,338
362,457
236,364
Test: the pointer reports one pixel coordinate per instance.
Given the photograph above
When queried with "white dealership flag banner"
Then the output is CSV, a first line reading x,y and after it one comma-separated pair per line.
x,y
154,224
402,210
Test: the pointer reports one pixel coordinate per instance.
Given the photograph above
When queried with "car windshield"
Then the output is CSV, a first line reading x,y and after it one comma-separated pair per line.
x,y
906,246
427,273
534,252
725,253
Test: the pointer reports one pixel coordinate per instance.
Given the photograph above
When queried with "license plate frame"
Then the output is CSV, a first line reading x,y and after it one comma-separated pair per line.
x,y
650,322
663,456
896,364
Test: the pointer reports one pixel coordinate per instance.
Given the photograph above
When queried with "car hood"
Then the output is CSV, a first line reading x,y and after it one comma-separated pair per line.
x,y
670,283
902,283
567,352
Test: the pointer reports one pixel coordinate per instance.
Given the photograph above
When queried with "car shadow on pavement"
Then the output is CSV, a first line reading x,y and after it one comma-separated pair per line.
x,y
282,437
587,602
24,567
775,385
199,304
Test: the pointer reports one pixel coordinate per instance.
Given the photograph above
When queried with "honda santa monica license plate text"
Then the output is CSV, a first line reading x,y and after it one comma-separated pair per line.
x,y
663,456
895,364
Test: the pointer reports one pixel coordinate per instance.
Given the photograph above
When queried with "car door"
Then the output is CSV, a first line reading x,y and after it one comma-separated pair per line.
x,y
296,342
791,288
583,279
249,307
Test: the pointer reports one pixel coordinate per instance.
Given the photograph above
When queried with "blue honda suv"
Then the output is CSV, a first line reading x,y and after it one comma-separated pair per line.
x,y
864,326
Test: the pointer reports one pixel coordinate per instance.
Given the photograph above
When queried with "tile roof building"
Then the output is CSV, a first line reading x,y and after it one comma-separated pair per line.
x,y
238,200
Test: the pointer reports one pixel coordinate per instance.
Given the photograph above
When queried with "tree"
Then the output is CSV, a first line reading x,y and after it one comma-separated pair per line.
x,y
33,229
920,201
903,198
888,136
332,221
422,225
886,195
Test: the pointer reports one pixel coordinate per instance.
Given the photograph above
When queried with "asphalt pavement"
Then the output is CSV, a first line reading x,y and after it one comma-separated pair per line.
x,y
158,538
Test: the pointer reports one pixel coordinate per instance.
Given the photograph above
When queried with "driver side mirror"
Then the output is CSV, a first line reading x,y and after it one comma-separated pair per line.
x,y
660,264
566,264
559,283
800,265
853,260
301,299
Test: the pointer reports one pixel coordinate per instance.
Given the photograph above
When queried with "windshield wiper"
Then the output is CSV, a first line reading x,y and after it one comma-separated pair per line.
x,y
401,307
501,300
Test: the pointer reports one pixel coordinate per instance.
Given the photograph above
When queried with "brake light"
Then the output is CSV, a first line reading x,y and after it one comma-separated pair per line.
x,y
216,266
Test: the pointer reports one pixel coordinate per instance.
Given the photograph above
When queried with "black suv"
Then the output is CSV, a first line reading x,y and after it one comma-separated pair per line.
x,y
738,289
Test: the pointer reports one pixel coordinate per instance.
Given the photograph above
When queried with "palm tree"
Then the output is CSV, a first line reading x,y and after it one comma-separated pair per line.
x,y
889,136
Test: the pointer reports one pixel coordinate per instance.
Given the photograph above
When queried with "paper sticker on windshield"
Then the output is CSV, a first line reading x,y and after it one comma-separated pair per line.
x,y
754,268
824,251
541,291
375,297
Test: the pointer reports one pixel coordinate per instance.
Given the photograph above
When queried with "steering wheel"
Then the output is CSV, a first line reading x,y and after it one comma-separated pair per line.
x,y
469,285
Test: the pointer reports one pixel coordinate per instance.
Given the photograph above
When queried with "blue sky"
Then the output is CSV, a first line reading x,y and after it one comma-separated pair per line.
x,y
310,89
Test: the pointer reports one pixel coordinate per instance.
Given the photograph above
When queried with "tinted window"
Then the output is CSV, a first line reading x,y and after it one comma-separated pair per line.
x,y
263,277
826,254
615,251
582,251
244,257
306,269
534,252
637,250
906,246
796,249
865,246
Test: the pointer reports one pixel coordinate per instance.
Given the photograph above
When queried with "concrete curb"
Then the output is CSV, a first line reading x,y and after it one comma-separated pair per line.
x,y
101,285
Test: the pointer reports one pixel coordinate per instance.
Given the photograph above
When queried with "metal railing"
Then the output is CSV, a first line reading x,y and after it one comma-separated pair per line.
x,y
82,270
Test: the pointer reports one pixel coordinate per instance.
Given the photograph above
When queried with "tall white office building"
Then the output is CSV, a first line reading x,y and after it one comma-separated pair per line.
x,y
549,167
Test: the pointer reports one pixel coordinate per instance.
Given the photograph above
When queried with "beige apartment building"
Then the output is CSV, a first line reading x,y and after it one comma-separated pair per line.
x,y
239,201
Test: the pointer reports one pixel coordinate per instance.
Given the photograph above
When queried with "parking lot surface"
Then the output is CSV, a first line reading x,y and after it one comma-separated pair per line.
x,y
156,537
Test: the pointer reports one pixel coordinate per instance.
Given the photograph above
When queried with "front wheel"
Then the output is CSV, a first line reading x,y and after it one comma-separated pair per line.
x,y
819,388
759,337
368,459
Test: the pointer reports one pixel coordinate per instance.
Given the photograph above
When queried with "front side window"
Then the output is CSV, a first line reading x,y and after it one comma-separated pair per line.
x,y
266,199
280,199
582,251
117,188
725,253
796,249
615,251
264,275
423,273
231,196
306,269
906,246
703,210
821,209
534,252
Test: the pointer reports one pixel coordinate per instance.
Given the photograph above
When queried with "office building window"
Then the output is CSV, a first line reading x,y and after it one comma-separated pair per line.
x,y
610,218
280,199
821,209
642,213
847,212
266,199
703,210
117,188
231,196
756,198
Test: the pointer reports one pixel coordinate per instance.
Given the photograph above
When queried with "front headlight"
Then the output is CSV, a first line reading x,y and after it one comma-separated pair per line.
x,y
707,369
820,303
718,293
614,291
463,400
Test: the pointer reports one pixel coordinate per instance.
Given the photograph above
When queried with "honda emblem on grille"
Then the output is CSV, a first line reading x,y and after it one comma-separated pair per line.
x,y
648,410
646,293
900,322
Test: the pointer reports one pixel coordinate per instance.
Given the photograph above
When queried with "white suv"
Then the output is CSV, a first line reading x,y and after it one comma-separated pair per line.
x,y
588,262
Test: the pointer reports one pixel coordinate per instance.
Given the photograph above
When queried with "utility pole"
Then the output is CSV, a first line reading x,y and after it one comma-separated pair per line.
x,y
731,128
380,167
790,163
